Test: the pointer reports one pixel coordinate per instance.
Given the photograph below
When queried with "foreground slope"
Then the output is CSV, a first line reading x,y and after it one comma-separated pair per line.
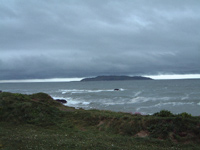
x,y
38,122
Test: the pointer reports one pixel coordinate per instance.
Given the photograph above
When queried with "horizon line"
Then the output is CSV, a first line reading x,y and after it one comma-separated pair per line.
x,y
155,77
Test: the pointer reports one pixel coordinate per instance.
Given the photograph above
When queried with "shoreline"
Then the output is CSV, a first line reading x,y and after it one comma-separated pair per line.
x,y
38,119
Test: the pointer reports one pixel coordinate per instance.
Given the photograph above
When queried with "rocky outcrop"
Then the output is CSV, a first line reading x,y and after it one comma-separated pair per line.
x,y
63,101
116,89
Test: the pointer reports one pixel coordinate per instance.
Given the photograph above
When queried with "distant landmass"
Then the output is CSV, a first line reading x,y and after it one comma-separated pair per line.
x,y
115,78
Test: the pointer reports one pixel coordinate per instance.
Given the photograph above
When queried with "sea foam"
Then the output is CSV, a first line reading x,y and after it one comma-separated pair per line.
x,y
73,102
74,91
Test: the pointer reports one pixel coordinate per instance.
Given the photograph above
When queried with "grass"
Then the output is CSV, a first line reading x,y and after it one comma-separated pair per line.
x,y
38,122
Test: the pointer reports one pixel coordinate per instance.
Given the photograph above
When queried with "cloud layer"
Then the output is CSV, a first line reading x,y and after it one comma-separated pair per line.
x,y
48,39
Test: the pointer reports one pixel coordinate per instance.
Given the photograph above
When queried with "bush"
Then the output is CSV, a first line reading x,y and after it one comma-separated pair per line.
x,y
164,113
185,115
160,128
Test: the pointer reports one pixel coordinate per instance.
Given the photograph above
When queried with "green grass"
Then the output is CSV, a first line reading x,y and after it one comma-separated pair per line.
x,y
34,137
38,122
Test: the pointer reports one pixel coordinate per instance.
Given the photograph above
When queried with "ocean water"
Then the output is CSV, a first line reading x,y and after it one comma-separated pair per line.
x,y
146,97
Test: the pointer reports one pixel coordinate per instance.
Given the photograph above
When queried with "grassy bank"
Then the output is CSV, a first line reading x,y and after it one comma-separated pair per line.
x,y
39,122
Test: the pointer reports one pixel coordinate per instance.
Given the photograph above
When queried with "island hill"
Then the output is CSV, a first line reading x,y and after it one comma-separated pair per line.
x,y
116,78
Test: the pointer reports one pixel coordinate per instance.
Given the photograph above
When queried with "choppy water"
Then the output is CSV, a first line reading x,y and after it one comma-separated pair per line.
x,y
146,97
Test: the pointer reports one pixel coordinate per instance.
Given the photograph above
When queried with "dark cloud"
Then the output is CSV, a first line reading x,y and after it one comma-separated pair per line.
x,y
46,39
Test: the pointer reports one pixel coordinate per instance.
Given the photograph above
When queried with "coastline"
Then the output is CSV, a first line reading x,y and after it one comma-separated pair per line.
x,y
146,97
39,112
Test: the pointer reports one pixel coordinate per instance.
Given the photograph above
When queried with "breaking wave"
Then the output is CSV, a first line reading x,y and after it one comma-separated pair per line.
x,y
73,102
73,91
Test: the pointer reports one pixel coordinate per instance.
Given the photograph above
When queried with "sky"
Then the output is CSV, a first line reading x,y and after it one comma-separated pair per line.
x,y
84,38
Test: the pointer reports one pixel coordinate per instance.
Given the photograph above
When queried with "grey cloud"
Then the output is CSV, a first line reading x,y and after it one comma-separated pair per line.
x,y
75,38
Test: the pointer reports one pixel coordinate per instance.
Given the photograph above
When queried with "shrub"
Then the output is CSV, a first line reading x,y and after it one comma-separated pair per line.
x,y
164,113
160,128
185,115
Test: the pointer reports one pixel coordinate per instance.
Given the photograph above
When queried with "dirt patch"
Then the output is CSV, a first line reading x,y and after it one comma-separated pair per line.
x,y
142,134
100,123
171,136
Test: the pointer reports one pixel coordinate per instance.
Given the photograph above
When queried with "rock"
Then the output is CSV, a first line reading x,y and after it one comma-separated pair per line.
x,y
116,89
63,101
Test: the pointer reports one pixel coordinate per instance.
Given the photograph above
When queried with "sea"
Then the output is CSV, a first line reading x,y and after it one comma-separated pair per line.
x,y
136,96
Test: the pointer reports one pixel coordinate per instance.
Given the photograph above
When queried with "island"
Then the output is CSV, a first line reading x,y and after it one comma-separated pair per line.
x,y
116,78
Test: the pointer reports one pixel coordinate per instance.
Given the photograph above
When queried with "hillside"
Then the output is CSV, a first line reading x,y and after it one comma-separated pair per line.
x,y
38,122
115,78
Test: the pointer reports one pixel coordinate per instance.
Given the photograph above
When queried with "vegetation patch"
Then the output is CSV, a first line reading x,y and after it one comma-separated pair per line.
x,y
38,122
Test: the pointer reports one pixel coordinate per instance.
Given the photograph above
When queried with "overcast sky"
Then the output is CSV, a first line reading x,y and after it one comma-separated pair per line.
x,y
81,38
